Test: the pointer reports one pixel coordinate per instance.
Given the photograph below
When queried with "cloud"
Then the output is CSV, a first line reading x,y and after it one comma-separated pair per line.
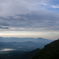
x,y
55,6
3,27
13,7
35,20
16,7
50,6
3,24
52,34
27,15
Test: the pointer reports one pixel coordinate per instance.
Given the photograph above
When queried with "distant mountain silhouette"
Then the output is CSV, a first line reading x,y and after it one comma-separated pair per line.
x,y
14,39
22,44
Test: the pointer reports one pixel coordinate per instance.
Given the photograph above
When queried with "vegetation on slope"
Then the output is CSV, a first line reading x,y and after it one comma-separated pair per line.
x,y
50,51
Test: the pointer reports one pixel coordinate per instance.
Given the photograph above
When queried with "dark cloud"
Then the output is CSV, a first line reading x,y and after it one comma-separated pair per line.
x,y
44,20
3,27
4,24
27,15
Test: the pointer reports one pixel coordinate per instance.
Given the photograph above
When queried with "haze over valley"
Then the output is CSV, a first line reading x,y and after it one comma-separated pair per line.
x,y
22,44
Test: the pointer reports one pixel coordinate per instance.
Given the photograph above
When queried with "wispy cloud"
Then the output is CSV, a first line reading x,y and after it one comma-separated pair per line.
x,y
50,6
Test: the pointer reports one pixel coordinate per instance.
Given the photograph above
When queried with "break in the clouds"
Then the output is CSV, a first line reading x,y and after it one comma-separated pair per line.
x,y
29,15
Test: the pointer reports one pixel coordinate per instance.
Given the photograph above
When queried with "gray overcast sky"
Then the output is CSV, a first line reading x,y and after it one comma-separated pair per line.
x,y
29,18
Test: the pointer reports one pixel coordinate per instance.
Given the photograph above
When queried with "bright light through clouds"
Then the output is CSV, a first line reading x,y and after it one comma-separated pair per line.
x,y
29,18
30,34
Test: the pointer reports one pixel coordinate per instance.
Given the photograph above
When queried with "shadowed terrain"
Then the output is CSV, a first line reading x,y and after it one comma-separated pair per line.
x,y
50,51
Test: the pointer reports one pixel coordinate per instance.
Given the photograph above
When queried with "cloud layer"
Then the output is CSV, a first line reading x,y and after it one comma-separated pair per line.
x,y
28,15
36,20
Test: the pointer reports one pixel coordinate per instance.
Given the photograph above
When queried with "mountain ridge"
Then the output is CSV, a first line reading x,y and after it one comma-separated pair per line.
x,y
50,51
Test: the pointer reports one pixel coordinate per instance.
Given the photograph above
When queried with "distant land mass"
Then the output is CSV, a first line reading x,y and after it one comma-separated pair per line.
x,y
50,51
23,43
15,39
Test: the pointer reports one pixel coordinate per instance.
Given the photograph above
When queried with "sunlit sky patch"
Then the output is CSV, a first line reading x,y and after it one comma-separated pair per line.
x,y
29,18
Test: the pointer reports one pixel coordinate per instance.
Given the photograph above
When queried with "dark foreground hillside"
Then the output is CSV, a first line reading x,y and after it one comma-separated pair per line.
x,y
50,51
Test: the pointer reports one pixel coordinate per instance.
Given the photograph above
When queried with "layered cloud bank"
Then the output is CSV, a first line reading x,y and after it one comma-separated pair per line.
x,y
29,15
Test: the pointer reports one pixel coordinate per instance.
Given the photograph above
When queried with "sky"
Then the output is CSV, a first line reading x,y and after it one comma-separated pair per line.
x,y
29,18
